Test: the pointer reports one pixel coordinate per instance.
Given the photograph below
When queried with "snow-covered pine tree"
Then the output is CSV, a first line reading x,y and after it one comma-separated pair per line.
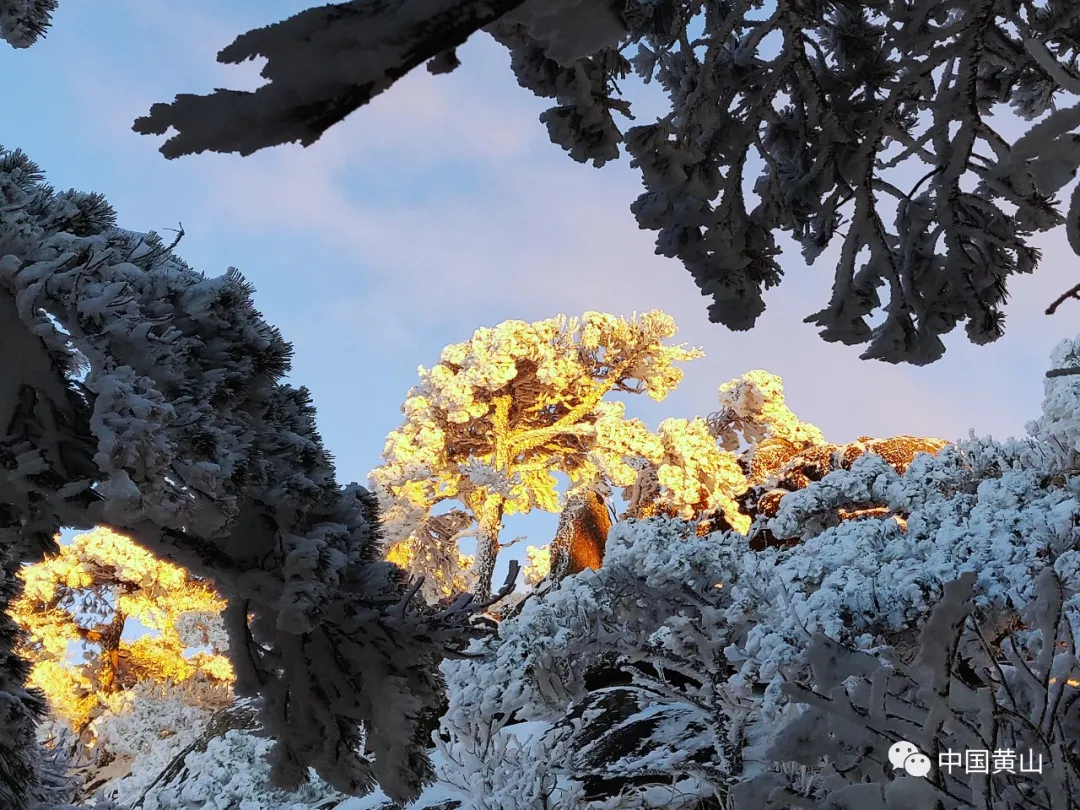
x,y
867,123
499,414
1014,696
680,664
139,394
551,377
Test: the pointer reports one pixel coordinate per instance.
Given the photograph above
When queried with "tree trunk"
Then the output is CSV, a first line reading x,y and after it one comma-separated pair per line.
x,y
109,660
489,516
581,536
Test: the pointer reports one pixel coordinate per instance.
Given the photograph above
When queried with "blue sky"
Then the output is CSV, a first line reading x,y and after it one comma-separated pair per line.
x,y
443,207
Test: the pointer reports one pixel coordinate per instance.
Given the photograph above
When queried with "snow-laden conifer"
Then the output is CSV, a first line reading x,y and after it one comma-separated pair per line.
x,y
23,22
1011,697
140,394
872,127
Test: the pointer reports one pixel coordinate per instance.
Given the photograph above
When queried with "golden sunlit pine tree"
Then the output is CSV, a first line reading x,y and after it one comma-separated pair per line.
x,y
86,596
490,424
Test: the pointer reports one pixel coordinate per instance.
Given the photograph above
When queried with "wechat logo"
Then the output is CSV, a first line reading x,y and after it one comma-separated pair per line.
x,y
905,755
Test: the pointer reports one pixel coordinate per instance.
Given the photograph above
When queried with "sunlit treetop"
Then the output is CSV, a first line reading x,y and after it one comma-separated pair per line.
x,y
87,594
753,408
701,466
498,410
491,422
694,475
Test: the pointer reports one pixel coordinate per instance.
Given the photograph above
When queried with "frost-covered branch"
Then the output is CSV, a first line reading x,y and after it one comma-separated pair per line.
x,y
957,695
321,65
23,22
832,124
145,396
857,100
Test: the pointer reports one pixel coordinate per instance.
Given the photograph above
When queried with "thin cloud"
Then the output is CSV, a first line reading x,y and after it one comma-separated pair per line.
x,y
507,226
553,237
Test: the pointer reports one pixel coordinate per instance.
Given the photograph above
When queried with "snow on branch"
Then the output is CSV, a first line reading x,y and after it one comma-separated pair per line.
x,y
1014,699
322,64
869,127
853,97
147,397
753,408
24,22
684,659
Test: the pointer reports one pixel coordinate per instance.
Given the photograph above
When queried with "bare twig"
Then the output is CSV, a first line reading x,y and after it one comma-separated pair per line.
x,y
513,542
465,603
180,233
414,588
1072,292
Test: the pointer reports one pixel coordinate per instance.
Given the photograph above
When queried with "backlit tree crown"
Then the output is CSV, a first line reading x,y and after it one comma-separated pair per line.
x,y
490,423
86,595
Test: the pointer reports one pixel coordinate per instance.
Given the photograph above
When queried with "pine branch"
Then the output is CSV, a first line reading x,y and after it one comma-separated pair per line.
x,y
351,52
